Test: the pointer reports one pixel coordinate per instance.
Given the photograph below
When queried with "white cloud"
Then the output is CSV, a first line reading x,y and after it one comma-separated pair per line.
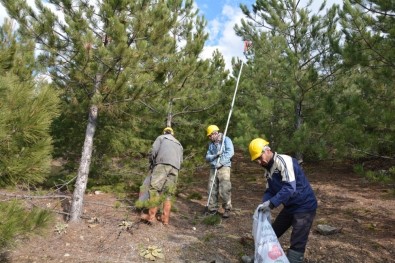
x,y
214,28
3,14
228,44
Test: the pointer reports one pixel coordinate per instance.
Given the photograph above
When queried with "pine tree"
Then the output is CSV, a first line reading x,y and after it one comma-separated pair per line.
x,y
290,66
369,57
111,59
27,108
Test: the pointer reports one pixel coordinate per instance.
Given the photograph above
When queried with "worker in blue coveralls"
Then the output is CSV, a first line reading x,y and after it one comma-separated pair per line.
x,y
286,185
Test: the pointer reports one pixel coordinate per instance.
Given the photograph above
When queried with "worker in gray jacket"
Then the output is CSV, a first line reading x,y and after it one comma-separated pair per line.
x,y
166,158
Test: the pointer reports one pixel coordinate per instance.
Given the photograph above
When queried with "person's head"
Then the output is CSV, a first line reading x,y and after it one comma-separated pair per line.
x,y
168,130
260,151
212,132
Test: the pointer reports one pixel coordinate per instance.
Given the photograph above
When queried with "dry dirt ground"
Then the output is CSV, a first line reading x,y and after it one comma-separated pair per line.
x,y
364,213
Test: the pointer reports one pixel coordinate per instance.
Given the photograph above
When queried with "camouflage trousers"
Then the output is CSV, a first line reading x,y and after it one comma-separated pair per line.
x,y
221,189
163,182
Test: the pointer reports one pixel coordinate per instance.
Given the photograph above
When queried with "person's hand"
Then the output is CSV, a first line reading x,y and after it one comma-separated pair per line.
x,y
264,206
218,166
219,153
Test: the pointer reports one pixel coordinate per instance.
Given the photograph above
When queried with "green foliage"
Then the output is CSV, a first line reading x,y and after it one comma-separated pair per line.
x,y
194,196
16,53
17,221
308,92
27,107
370,94
358,168
287,74
26,145
377,176
212,220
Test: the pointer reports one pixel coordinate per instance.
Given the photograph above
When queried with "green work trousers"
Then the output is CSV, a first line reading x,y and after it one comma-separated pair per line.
x,y
163,181
221,189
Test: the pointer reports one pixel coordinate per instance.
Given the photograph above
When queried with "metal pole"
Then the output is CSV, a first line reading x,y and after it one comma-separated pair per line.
x,y
226,130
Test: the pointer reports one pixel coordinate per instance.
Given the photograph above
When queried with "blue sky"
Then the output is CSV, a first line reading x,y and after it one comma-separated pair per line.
x,y
221,15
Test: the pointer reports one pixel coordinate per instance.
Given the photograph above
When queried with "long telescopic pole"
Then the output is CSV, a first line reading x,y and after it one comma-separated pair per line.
x,y
223,139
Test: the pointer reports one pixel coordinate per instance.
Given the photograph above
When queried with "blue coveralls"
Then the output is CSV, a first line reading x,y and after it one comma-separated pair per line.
x,y
287,185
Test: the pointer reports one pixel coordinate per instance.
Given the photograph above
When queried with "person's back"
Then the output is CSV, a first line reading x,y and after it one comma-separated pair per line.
x,y
167,150
305,198
301,197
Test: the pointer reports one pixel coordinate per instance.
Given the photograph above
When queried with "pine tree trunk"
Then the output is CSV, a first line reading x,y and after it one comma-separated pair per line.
x,y
83,171
169,120
298,125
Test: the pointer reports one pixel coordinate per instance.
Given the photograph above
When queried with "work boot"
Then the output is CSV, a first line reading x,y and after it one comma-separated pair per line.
x,y
151,216
144,214
295,256
166,212
226,214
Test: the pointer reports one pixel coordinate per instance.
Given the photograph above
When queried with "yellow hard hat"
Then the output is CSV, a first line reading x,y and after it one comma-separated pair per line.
x,y
211,129
256,147
168,129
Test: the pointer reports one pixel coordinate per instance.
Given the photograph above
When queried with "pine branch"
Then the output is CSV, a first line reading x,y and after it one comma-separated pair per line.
x,y
195,111
371,154
375,11
35,196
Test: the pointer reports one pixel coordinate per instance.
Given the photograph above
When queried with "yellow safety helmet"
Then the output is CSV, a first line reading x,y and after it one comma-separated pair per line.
x,y
211,129
168,129
256,147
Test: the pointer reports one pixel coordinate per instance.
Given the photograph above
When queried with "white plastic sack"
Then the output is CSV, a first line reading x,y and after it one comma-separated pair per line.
x,y
267,247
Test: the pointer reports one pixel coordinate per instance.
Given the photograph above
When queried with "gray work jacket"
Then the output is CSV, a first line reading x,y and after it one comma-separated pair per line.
x,y
167,150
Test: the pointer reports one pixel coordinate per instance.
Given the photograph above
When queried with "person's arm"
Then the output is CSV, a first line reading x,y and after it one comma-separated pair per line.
x,y
227,151
285,166
182,155
268,193
155,147
210,156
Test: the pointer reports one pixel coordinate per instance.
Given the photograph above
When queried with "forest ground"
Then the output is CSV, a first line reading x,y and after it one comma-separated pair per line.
x,y
363,212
